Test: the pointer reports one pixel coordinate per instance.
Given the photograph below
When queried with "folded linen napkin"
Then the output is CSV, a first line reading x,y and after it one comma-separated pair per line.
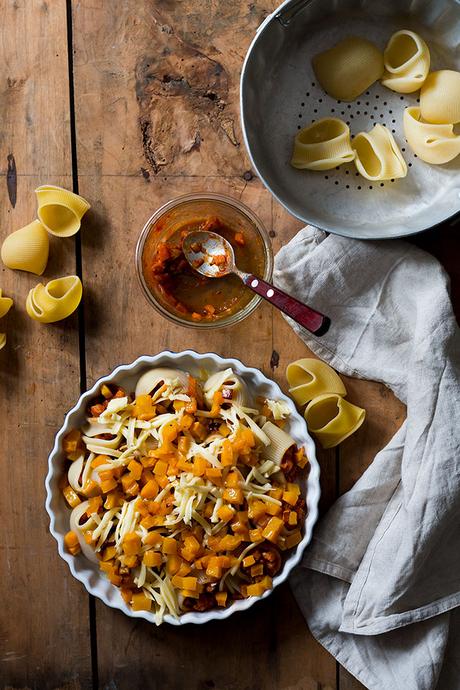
x,y
381,578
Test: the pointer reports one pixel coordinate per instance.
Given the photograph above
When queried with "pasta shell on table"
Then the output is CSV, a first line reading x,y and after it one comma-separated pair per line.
x,y
2,340
233,387
280,442
323,145
55,301
153,378
434,144
27,249
377,155
5,304
440,97
310,377
407,62
60,210
347,69
332,419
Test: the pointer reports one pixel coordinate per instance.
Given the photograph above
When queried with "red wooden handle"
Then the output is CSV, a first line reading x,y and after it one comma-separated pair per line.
x,y
312,320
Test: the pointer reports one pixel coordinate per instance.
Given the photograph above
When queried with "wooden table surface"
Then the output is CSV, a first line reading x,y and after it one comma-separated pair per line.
x,y
132,103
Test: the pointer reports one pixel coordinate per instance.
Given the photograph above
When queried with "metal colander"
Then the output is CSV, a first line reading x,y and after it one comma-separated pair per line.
x,y
280,95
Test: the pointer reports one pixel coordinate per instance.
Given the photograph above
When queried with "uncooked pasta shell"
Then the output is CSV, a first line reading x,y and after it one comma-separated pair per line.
x,y
310,377
332,419
27,249
152,378
440,97
323,145
377,155
59,210
5,304
349,68
55,301
407,62
280,442
434,144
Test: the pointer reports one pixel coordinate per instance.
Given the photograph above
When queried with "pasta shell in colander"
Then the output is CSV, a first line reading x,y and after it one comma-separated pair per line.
x,y
322,145
349,68
5,304
27,249
440,97
226,380
434,144
377,155
310,377
55,301
158,376
407,62
59,210
332,419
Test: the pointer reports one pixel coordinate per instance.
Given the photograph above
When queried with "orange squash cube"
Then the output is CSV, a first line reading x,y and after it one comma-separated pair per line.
x,y
131,544
169,546
273,529
140,602
152,559
71,496
233,495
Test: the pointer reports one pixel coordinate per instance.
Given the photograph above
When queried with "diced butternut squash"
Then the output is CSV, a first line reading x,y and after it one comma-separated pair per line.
x,y
199,466
71,543
100,460
257,570
152,559
233,495
91,488
169,546
135,469
140,602
293,539
229,542
214,569
131,561
256,509
108,485
170,432
221,598
108,553
71,496
273,508
160,469
144,408
292,519
273,529
153,539
255,535
300,457
150,489
93,505
72,441
225,513
226,456
291,494
173,564
131,544
248,561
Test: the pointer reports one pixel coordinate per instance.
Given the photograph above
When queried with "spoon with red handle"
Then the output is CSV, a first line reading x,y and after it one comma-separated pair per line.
x,y
212,256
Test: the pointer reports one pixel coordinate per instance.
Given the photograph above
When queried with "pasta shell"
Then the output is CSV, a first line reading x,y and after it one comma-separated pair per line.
x,y
310,377
332,419
152,378
59,210
322,145
2,340
407,62
434,144
377,155
226,380
5,304
55,301
440,97
349,68
280,442
27,249
75,517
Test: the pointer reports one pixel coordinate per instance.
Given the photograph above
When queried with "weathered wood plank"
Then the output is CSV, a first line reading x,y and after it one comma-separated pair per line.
x,y
157,116
44,637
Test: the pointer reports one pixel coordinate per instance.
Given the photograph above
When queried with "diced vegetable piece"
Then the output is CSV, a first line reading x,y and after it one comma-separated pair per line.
x,y
91,488
257,509
214,569
234,479
108,553
169,545
257,570
108,485
229,542
160,468
131,544
199,466
273,509
150,490
93,505
291,494
233,495
152,559
293,539
72,441
153,539
144,408
292,519
276,493
71,543
100,460
225,513
140,602
248,561
273,529
184,569
131,561
224,430
71,496
113,499
221,598
213,472
170,432
135,469
190,583
226,456
255,535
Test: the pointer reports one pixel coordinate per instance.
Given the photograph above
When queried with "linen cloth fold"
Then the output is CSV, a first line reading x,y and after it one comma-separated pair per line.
x,y
380,581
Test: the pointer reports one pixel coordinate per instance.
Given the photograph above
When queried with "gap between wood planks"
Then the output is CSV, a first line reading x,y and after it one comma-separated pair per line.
x,y
81,313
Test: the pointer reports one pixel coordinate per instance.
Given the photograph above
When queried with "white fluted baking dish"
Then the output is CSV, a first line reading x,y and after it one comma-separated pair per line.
x,y
126,376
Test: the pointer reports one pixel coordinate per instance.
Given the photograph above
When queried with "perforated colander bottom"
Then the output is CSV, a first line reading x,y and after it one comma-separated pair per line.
x,y
280,94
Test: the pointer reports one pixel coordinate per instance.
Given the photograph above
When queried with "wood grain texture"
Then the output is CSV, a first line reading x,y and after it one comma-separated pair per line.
x,y
44,640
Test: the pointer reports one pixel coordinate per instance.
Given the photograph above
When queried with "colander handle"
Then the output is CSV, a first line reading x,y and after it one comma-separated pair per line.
x,y
312,320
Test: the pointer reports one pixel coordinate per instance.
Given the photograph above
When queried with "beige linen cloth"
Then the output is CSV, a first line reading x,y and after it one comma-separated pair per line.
x,y
380,582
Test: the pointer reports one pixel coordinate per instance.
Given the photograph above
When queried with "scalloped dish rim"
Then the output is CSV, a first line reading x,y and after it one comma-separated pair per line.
x,y
87,572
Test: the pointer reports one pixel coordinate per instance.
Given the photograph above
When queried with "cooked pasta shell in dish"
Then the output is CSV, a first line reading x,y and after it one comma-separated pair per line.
x,y
280,442
407,62
310,377
2,340
27,249
322,145
77,526
59,210
435,144
233,387
377,155
55,301
440,97
5,304
332,419
154,378
349,68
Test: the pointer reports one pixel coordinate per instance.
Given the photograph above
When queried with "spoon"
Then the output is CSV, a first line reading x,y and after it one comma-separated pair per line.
x,y
213,257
